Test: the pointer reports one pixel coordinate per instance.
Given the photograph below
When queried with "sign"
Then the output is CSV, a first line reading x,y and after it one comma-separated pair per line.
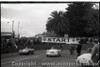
x,y
59,40
54,39
73,41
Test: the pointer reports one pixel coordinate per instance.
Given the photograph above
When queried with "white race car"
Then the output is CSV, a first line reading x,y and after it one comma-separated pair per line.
x,y
26,51
84,60
53,52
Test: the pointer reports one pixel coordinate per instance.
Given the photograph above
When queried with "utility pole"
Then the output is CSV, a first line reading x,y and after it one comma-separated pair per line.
x,y
13,35
18,30
12,26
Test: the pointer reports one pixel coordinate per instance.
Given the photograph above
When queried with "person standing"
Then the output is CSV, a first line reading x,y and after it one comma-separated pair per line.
x,y
95,52
78,49
61,46
71,49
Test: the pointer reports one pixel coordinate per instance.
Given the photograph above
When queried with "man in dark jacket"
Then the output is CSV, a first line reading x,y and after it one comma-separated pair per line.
x,y
71,48
78,49
95,52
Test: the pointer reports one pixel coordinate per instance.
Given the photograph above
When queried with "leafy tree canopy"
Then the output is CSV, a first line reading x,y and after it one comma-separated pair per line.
x,y
80,19
83,19
57,23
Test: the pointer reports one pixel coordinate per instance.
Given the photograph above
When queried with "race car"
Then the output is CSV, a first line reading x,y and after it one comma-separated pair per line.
x,y
26,51
53,52
84,60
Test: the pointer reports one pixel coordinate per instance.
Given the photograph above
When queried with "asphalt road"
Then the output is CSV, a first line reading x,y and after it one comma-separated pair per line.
x,y
38,59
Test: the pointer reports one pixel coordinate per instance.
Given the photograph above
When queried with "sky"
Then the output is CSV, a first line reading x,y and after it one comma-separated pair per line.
x,y
32,17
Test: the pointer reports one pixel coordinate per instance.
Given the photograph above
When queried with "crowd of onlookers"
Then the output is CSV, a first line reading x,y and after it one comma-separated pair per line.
x,y
18,42
8,46
93,49
30,42
82,43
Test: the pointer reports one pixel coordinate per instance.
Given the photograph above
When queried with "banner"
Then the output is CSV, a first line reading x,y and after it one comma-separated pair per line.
x,y
54,39
59,40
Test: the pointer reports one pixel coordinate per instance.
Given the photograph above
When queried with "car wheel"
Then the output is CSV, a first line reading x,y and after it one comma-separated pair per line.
x,y
47,55
20,54
32,53
59,55
29,53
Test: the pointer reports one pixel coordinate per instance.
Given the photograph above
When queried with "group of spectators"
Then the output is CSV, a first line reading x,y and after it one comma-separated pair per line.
x,y
82,42
8,46
5,42
94,50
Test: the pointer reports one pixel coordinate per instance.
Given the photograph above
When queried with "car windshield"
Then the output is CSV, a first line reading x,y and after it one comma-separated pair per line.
x,y
52,48
26,48
55,47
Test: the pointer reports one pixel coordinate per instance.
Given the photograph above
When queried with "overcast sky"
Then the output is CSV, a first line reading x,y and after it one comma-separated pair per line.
x,y
32,17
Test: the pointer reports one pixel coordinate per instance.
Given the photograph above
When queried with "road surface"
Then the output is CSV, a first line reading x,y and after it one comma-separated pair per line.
x,y
38,59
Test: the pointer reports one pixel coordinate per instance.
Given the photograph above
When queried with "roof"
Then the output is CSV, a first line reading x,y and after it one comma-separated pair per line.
x,y
6,33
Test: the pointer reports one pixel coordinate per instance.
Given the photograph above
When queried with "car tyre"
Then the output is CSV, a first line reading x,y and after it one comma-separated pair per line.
x,y
47,55
20,54
32,53
59,55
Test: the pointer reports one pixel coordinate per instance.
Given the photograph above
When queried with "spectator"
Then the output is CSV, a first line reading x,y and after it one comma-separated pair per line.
x,y
95,52
89,50
78,49
61,46
9,43
71,49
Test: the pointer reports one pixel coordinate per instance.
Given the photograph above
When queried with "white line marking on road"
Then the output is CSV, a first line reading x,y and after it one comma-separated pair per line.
x,y
20,59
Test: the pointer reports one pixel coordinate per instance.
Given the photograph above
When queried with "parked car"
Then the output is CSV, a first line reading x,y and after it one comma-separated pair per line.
x,y
53,52
84,60
26,51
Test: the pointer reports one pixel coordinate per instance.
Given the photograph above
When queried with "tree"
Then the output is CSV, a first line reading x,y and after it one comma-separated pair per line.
x,y
92,27
57,23
82,18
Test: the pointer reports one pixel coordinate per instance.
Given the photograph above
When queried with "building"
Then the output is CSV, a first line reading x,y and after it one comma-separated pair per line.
x,y
6,35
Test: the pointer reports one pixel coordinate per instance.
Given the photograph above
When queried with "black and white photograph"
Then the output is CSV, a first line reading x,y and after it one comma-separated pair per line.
x,y
50,34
